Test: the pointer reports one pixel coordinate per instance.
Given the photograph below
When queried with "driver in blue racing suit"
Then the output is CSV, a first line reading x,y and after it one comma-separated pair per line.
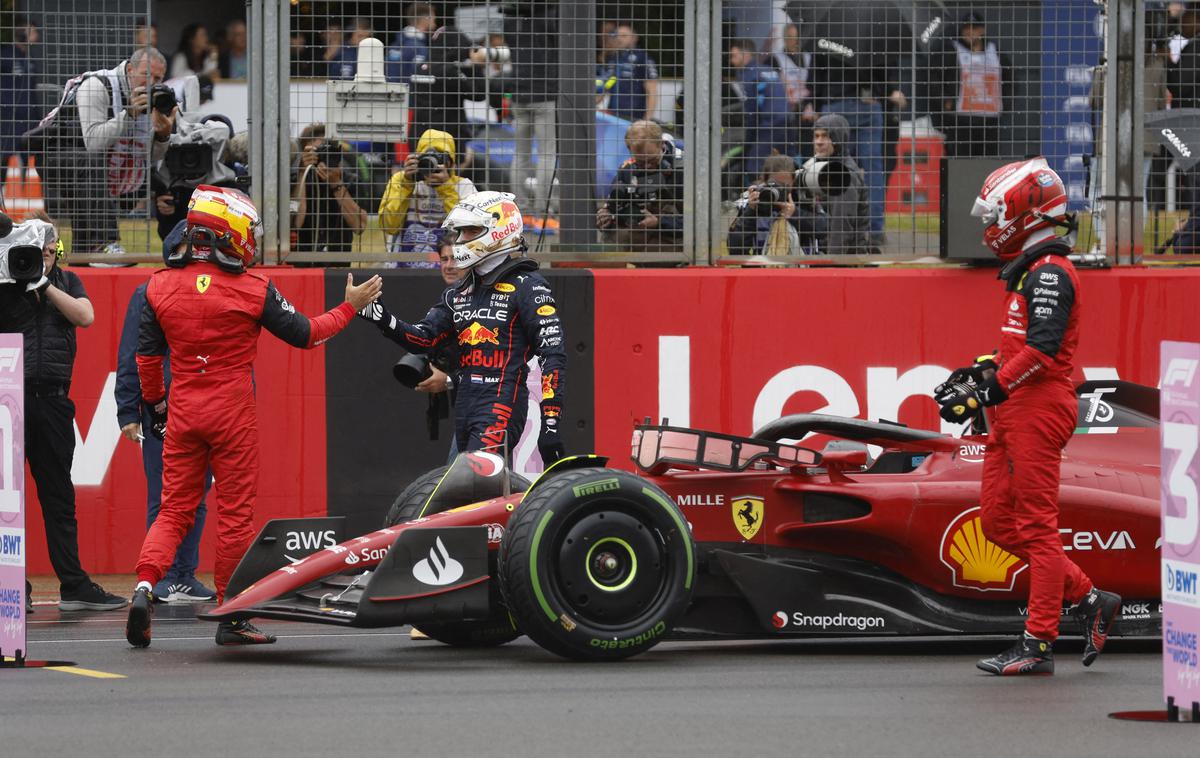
x,y
502,313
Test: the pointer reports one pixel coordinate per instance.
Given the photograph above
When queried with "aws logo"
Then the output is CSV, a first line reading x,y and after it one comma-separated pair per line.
x,y
976,562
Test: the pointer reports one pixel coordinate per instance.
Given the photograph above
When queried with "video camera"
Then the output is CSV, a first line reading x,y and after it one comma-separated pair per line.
x,y
819,178
21,251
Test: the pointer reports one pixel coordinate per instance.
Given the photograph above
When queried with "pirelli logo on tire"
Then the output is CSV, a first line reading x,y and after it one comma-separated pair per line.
x,y
595,488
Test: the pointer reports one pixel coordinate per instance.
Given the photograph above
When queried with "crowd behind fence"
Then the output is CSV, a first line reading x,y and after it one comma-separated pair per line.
x,y
743,131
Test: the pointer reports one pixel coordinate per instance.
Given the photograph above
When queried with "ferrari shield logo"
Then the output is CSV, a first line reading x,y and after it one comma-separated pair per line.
x,y
202,283
747,515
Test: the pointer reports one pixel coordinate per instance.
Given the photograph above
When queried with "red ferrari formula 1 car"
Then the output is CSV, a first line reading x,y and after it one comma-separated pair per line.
x,y
719,536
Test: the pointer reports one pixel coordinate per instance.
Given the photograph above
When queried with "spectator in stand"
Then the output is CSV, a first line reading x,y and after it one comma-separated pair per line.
x,y
234,59
18,83
332,41
410,48
764,105
856,70
325,214
629,77
974,87
180,584
146,35
793,64
645,204
196,55
48,318
345,64
532,34
303,57
1184,78
418,198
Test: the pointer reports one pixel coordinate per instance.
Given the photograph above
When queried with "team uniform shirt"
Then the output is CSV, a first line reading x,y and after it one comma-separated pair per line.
x,y
623,77
500,321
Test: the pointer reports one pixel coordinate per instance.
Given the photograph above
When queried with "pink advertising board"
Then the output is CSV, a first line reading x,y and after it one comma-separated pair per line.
x,y
12,496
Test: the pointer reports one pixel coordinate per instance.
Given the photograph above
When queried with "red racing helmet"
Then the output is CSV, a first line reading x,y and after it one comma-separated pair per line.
x,y
1017,202
222,226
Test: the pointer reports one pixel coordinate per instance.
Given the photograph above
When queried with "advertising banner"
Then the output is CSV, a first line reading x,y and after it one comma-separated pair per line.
x,y
1180,397
12,495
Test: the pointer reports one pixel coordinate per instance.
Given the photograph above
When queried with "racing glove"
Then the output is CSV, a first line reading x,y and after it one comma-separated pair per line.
x,y
550,443
978,372
376,313
957,400
158,418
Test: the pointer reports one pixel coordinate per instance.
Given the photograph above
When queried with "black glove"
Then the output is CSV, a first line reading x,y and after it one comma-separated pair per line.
x,y
549,441
958,400
376,313
977,373
158,418
990,392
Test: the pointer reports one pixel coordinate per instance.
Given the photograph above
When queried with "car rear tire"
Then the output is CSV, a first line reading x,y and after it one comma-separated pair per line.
x,y
597,564
492,631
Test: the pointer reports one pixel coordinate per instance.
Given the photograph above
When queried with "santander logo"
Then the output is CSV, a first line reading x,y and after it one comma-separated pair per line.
x,y
439,569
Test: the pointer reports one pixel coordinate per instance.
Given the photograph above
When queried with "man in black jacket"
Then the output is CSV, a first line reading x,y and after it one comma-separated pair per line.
x,y
48,318
532,35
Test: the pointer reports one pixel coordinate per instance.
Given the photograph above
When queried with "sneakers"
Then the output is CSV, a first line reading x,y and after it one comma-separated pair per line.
x,y
141,612
1029,656
187,590
112,248
242,633
1096,613
90,597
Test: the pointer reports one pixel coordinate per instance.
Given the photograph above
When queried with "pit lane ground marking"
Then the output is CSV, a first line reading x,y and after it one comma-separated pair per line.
x,y
85,672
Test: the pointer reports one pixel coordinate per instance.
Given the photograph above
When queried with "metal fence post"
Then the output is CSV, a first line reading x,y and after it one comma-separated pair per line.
x,y
702,154
1124,130
576,124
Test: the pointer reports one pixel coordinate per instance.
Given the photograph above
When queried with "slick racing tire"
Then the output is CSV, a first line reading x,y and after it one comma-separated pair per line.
x,y
495,630
597,564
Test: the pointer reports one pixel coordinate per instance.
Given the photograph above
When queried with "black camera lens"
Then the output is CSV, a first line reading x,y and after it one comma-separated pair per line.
x,y
162,99
411,370
430,162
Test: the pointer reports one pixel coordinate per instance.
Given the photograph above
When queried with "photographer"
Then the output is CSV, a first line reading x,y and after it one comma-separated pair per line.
x,y
767,222
47,314
325,215
836,189
191,160
418,198
94,146
645,203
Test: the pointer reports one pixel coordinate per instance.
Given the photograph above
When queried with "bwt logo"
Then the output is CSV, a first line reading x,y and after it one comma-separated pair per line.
x,y
1180,372
1181,581
9,358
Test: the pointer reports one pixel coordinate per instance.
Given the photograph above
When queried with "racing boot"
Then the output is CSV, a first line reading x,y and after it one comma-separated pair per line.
x,y
141,613
1097,613
1029,656
242,633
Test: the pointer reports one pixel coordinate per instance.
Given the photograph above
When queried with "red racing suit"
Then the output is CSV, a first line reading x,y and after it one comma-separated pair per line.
x,y
211,320
1029,430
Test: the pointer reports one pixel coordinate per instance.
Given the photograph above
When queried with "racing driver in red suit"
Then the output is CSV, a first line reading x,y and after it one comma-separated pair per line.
x,y
502,313
1028,386
208,309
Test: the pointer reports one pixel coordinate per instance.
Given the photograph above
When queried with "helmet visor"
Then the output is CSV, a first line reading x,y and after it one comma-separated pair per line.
x,y
985,211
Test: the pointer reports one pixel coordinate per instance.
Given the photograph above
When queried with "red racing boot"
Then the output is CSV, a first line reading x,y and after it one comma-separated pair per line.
x,y
1029,656
1097,612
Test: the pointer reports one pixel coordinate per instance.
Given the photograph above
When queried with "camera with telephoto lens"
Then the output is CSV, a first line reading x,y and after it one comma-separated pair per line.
x,y
330,153
411,370
162,99
431,162
629,202
819,178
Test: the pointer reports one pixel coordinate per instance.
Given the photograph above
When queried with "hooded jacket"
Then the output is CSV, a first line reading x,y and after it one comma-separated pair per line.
x,y
848,214
398,197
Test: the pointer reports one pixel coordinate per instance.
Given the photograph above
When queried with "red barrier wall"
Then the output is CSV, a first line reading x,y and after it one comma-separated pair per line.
x,y
864,343
110,484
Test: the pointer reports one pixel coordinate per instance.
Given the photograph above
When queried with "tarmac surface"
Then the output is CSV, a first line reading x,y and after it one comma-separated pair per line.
x,y
324,690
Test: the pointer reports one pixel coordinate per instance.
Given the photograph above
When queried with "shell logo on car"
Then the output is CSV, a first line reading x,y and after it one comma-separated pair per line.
x,y
747,515
976,562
